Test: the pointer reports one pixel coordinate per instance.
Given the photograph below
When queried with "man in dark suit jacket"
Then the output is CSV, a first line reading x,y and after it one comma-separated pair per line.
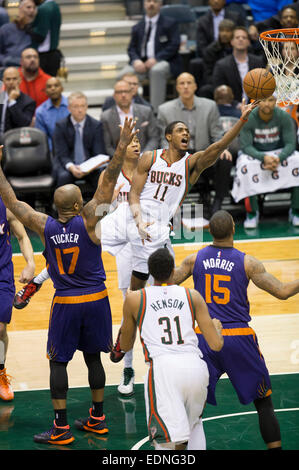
x,y
207,30
132,79
154,51
146,122
232,69
16,108
66,157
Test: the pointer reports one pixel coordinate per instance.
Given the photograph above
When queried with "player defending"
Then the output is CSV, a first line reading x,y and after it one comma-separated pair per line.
x,y
177,379
161,182
80,314
221,273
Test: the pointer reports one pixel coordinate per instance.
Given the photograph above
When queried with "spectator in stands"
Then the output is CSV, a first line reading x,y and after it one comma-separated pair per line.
x,y
201,115
219,48
154,51
263,9
46,35
208,24
124,106
33,78
4,17
269,136
229,113
16,108
227,106
76,138
54,109
14,36
286,18
232,69
202,68
132,79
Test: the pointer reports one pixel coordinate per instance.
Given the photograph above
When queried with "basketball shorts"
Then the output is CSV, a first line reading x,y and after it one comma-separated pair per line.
x,y
6,300
241,359
114,230
79,322
175,394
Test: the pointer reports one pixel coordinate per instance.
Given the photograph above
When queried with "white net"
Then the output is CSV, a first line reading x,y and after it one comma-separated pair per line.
x,y
282,51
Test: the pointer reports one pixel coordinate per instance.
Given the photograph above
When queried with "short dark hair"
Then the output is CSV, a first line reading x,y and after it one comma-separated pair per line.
x,y
169,128
161,264
221,225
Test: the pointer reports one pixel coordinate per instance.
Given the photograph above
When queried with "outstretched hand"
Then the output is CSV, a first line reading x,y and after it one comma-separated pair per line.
x,y
247,108
127,132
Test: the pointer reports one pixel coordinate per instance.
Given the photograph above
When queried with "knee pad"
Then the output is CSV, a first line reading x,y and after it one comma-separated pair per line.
x,y
58,380
141,276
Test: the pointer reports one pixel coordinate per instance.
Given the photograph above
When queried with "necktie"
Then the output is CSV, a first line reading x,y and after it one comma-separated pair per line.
x,y
79,149
147,37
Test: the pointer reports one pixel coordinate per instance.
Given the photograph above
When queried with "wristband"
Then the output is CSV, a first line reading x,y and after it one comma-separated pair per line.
x,y
243,120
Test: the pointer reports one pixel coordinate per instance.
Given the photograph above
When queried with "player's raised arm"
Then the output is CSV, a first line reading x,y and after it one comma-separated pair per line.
x,y
98,207
29,217
206,158
257,273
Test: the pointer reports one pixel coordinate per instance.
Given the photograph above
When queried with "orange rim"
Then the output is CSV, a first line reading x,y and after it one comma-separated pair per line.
x,y
266,35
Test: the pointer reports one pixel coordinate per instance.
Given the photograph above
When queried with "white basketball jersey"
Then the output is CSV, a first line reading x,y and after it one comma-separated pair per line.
x,y
166,321
166,186
124,191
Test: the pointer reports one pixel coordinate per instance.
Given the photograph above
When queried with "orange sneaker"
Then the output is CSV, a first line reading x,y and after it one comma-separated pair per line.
x,y
6,392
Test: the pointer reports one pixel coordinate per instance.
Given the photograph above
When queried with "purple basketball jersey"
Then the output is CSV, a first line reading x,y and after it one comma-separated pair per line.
x,y
74,261
6,265
219,276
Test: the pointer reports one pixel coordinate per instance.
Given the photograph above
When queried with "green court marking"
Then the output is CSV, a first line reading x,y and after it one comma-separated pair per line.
x,y
31,413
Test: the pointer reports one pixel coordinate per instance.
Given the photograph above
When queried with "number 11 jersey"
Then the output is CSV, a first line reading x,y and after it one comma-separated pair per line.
x,y
166,186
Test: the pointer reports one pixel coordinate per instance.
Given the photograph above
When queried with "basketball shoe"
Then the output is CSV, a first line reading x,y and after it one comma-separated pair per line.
x,y
92,424
126,387
56,435
22,298
6,391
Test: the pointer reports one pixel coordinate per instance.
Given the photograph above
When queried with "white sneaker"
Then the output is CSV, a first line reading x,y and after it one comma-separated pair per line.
x,y
126,387
251,222
293,218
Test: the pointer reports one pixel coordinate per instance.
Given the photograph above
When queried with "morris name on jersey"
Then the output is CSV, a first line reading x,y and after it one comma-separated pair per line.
x,y
218,263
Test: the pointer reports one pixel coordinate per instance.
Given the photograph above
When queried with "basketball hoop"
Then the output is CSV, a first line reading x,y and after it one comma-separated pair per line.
x,y
281,47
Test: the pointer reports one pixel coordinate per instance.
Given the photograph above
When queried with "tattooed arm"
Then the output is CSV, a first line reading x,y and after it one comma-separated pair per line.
x,y
99,205
257,273
185,270
30,218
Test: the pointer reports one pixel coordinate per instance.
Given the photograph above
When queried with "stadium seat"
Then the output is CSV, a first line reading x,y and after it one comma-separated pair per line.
x,y
27,161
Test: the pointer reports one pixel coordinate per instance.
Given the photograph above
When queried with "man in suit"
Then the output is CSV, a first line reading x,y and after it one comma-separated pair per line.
x,y
124,106
232,69
16,108
208,24
201,115
133,81
154,51
76,138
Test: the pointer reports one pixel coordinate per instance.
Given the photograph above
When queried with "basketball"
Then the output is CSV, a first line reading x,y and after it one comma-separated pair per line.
x,y
259,84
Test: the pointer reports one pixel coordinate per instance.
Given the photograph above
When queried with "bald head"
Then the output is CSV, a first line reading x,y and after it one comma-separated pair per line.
x,y
222,225
68,199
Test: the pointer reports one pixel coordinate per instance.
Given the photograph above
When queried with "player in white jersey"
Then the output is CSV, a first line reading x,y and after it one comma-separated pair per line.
x,y
160,182
177,378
